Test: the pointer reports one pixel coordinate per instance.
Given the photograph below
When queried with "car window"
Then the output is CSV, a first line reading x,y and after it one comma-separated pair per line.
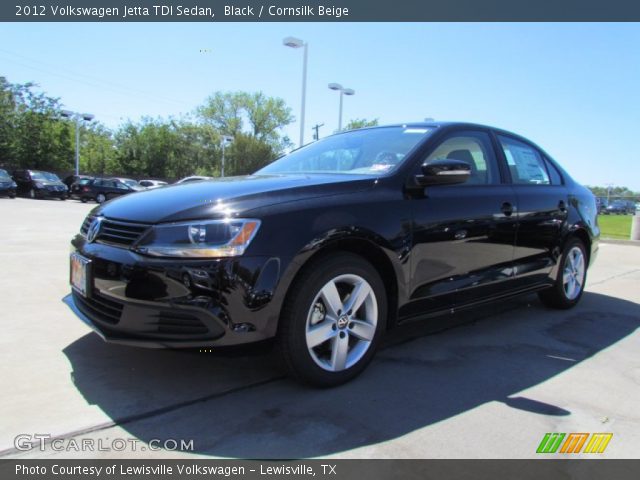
x,y
525,162
145,183
473,148
366,151
554,173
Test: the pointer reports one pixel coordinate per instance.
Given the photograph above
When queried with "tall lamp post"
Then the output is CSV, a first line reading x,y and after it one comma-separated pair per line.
x,y
226,140
343,91
294,42
77,117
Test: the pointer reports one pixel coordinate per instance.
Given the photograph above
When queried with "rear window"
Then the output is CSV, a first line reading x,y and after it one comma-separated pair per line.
x,y
525,163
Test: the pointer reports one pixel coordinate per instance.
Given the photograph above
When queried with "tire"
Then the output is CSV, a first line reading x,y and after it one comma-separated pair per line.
x,y
319,343
84,199
571,277
100,198
12,196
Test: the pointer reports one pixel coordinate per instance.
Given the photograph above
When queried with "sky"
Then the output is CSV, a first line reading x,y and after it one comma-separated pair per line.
x,y
572,88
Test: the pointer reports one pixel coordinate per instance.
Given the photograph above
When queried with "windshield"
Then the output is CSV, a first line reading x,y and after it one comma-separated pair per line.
x,y
49,177
131,183
366,152
4,175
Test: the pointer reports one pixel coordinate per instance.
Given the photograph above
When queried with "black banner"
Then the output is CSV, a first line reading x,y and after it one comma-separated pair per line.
x,y
321,469
318,11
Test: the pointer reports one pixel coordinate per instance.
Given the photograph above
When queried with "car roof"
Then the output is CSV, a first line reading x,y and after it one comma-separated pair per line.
x,y
443,125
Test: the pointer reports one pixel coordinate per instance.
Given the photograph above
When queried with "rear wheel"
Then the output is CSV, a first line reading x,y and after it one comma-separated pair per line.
x,y
84,199
572,274
333,320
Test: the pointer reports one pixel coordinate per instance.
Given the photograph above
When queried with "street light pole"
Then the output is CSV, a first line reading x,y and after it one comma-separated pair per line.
x,y
76,117
343,91
294,42
225,139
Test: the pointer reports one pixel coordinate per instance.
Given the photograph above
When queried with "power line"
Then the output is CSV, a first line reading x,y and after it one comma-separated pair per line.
x,y
88,80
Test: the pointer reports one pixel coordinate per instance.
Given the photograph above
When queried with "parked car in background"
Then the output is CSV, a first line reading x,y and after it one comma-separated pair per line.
x,y
620,207
40,184
78,184
194,178
130,182
69,180
7,185
152,183
328,247
103,189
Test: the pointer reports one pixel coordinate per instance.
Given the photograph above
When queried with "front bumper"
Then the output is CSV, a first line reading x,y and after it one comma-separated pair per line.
x,y
47,193
176,303
7,191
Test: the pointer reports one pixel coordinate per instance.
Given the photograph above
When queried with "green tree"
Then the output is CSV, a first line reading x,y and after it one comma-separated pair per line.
x,y
361,123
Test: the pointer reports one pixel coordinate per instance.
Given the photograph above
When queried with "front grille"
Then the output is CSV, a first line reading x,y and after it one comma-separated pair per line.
x,y
99,307
120,233
116,232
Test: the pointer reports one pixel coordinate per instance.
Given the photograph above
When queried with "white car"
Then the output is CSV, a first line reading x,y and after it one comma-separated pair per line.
x,y
152,183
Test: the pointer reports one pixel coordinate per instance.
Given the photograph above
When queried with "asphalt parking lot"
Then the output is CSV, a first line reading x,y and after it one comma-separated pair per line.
x,y
489,388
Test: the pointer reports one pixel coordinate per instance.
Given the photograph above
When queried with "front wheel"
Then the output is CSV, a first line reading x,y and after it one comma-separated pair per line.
x,y
333,320
101,198
572,274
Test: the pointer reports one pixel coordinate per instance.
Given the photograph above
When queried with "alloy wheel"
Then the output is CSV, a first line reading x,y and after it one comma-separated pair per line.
x,y
573,274
341,322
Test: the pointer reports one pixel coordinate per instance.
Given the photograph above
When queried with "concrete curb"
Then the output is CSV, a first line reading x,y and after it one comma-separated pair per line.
x,y
617,241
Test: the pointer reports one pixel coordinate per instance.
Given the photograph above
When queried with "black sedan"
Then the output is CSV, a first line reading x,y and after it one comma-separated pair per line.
x,y
39,184
7,185
328,247
102,189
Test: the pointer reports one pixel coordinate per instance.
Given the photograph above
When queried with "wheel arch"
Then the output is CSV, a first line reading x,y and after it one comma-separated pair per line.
x,y
364,248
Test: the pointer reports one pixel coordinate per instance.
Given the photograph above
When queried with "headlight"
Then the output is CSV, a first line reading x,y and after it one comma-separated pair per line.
x,y
200,239
14,184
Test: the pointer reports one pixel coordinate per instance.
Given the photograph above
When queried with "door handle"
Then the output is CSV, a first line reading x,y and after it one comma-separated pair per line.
x,y
507,209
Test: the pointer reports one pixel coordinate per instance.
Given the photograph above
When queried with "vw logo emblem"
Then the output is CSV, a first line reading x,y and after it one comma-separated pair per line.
x,y
94,229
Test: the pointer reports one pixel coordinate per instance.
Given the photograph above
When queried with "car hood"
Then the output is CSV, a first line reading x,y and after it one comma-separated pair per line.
x,y
47,183
227,196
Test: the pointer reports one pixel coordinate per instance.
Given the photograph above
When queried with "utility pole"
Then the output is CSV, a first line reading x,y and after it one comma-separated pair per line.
x,y
316,127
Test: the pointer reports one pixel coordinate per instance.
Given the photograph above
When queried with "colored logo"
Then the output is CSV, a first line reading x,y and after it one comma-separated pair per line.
x,y
574,442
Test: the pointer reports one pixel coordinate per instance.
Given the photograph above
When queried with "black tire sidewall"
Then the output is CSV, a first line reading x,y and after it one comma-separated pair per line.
x,y
293,329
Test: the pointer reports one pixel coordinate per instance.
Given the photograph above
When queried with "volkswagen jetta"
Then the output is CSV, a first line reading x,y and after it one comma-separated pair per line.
x,y
329,246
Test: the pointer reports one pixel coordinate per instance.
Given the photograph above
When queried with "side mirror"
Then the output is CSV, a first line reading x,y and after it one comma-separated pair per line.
x,y
444,172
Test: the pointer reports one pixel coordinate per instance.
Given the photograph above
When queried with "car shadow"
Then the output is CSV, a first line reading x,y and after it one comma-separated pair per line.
x,y
238,404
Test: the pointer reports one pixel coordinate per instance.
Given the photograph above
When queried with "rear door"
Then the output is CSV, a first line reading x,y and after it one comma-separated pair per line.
x,y
543,202
463,235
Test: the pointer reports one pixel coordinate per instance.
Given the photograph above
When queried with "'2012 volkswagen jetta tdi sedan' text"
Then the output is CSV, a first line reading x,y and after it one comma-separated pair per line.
x,y
331,245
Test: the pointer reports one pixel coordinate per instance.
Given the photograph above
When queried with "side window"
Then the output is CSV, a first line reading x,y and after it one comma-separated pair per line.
x,y
473,148
556,178
525,163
